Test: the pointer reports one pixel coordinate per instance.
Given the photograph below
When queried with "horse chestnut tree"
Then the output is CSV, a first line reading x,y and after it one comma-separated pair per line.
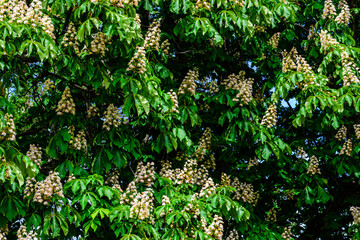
x,y
169,119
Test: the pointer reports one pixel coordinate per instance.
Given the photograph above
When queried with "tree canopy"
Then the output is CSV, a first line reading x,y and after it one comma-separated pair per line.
x,y
179,119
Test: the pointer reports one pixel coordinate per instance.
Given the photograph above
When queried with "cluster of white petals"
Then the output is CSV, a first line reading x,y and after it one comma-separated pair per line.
x,y
17,11
22,234
270,117
35,154
8,130
242,85
188,85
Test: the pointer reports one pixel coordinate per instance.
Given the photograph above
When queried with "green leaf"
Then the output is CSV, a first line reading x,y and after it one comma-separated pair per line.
x,y
175,6
144,103
266,152
308,199
119,160
147,5
83,201
180,133
170,218
168,143
322,195
262,137
51,148
35,220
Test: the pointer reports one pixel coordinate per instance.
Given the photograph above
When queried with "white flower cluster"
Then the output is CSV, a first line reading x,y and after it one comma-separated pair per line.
x,y
48,188
7,171
204,145
259,28
130,194
174,99
289,194
22,234
137,63
70,38
347,148
344,16
304,68
78,142
270,117
225,180
93,111
49,85
193,206
71,177
313,166
239,3
292,61
216,228
28,102
204,107
165,201
245,192
137,19
191,173
241,84
29,187
35,154
329,10
355,212
301,154
287,233
66,104
17,11
203,4
252,162
166,170
274,40
98,44
348,65
118,3
113,179
311,32
341,133
8,131
3,232
152,38
272,215
188,85
145,174
212,86
357,130
234,235
142,205
121,3
165,46
186,175
327,41
112,117
288,60
208,189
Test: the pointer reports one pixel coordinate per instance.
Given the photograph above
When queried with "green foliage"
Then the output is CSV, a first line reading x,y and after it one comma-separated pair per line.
x,y
245,109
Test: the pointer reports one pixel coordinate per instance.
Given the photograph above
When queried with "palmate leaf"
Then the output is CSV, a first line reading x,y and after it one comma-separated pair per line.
x,y
53,223
130,237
